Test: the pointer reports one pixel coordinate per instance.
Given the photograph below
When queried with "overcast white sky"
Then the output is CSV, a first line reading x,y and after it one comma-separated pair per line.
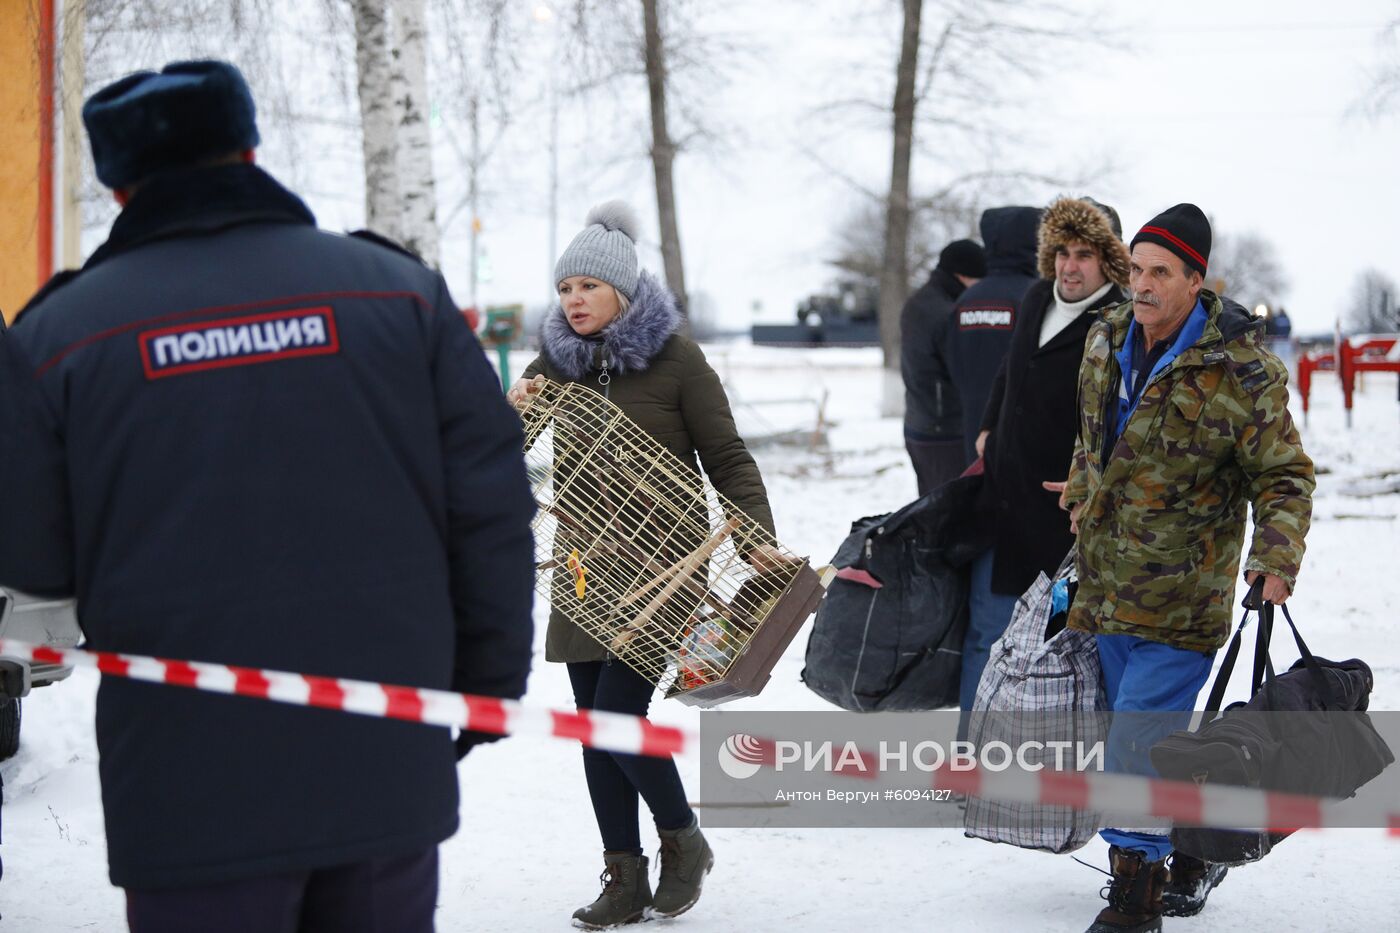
x,y
1241,107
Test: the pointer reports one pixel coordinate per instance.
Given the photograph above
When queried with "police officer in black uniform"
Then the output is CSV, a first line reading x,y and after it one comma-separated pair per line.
x,y
239,439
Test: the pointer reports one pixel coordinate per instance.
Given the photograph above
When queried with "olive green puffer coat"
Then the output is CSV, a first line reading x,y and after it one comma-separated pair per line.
x,y
662,381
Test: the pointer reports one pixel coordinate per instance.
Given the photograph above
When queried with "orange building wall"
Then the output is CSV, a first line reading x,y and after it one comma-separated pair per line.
x,y
19,153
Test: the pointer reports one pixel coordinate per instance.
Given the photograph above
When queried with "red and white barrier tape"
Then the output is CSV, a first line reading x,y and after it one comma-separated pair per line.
x,y
614,732
1144,801
1154,801
1147,799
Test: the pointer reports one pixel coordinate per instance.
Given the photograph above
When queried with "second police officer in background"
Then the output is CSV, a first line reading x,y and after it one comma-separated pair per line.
x,y
979,330
933,421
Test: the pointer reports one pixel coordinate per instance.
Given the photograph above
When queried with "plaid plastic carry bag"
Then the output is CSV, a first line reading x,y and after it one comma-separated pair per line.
x,y
1041,683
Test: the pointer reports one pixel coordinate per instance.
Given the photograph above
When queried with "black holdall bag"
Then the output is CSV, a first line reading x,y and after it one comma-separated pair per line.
x,y
1302,732
888,635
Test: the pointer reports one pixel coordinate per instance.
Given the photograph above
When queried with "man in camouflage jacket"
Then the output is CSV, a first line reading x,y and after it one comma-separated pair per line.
x,y
1160,506
1183,421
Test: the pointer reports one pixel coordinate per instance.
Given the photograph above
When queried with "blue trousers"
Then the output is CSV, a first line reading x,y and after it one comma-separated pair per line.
x,y
1141,676
988,616
615,780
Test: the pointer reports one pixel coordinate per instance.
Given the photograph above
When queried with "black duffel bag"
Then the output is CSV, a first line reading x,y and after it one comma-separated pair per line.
x,y
1257,744
888,635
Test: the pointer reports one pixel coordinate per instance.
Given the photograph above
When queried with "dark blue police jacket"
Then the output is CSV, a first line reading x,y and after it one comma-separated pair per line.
x,y
243,440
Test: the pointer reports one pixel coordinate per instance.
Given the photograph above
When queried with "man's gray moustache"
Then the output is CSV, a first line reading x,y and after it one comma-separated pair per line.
x,y
1152,300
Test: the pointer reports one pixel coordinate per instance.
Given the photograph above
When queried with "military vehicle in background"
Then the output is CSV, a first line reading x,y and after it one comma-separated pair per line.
x,y
845,317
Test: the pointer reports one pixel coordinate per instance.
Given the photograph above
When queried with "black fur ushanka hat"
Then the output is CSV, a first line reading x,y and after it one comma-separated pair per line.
x,y
148,122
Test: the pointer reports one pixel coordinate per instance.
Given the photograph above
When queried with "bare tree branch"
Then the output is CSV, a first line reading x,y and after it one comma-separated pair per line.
x,y
814,154
935,59
1382,94
1375,304
1246,267
976,54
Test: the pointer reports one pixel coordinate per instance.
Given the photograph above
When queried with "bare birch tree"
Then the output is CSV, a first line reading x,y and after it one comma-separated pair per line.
x,y
378,124
269,41
409,80
391,62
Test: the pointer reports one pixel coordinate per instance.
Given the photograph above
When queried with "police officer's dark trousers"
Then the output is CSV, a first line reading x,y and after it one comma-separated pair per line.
x,y
389,895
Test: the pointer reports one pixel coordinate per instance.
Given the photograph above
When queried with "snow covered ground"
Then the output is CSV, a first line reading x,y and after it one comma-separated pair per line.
x,y
528,852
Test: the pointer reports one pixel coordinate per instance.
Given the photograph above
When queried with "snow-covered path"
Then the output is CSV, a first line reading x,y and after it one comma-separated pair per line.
x,y
528,853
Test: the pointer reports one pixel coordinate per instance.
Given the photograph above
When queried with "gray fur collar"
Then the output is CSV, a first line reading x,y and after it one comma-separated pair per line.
x,y
628,344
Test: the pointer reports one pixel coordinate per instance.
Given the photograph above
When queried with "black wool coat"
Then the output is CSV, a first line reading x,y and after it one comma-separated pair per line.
x,y
239,439
1032,415
931,406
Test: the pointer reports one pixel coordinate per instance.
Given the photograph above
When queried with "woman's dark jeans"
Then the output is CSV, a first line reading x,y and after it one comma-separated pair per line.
x,y
616,780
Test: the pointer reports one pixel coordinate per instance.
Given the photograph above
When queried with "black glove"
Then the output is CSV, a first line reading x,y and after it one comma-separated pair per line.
x,y
469,739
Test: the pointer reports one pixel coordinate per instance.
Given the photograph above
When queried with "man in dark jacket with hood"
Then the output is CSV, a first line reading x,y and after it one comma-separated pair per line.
x,y
933,422
979,330
241,440
1029,424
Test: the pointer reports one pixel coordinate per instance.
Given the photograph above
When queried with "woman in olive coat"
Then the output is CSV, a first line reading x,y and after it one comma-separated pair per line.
x,y
616,330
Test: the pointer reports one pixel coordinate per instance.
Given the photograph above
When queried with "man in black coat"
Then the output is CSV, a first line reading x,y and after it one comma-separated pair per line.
x,y
239,439
933,422
979,330
1028,425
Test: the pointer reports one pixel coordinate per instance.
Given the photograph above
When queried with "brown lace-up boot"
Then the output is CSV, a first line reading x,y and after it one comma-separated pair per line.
x,y
626,893
1134,895
685,860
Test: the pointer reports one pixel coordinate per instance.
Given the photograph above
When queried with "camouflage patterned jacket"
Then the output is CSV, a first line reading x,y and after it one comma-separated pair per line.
x,y
1164,514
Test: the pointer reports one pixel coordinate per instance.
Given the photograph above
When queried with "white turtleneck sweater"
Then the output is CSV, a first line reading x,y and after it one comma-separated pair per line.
x,y
1061,314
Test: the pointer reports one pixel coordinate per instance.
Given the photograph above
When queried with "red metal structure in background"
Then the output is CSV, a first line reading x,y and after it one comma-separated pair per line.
x,y
1309,363
1351,356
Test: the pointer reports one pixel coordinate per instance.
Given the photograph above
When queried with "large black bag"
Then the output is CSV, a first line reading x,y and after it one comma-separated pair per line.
x,y
1252,745
888,636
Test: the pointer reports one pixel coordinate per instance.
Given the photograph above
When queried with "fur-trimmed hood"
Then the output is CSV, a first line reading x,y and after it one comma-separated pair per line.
x,y
1077,219
628,344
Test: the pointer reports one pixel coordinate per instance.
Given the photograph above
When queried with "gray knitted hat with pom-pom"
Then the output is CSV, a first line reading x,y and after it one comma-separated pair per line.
x,y
605,249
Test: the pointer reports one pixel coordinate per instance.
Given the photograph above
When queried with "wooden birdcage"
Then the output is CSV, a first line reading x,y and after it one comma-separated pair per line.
x,y
636,549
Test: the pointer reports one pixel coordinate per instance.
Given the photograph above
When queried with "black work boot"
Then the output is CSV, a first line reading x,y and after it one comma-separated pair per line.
x,y
685,860
626,893
1134,895
1189,883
